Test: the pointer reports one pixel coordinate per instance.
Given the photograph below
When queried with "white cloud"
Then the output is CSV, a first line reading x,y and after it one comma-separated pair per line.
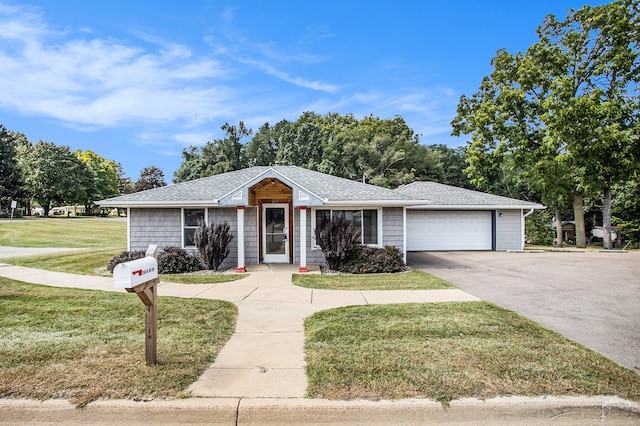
x,y
103,82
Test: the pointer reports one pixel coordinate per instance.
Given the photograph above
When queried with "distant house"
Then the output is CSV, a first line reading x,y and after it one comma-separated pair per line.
x,y
273,212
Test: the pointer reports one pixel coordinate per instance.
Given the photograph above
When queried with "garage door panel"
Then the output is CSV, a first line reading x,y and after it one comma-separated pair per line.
x,y
449,230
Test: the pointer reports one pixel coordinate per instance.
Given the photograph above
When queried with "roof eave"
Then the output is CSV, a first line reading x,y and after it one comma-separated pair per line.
x,y
476,207
158,204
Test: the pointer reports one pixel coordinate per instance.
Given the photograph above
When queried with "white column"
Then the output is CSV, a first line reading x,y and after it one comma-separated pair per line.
x,y
241,268
303,239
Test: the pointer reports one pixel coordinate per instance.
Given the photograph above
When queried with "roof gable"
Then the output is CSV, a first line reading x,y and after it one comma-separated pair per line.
x,y
310,188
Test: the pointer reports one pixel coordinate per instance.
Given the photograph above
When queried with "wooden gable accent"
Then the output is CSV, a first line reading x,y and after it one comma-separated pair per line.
x,y
270,190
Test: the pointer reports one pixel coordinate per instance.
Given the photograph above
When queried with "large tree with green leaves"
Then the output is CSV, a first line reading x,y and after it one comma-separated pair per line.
x,y
54,176
104,174
565,110
215,157
11,182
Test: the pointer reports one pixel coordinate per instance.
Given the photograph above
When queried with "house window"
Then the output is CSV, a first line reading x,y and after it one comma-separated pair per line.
x,y
192,218
364,221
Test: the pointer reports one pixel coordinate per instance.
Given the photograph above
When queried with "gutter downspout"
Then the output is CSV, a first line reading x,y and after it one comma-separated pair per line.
x,y
524,216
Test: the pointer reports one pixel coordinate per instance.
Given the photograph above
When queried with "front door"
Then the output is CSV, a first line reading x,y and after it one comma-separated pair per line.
x,y
275,233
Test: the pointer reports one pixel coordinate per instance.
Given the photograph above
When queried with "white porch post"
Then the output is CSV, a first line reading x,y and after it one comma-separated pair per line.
x,y
240,211
303,239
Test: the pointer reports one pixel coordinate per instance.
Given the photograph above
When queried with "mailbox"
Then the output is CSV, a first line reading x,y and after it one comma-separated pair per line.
x,y
130,274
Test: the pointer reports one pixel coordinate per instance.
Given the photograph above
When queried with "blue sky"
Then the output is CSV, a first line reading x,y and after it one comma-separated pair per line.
x,y
138,81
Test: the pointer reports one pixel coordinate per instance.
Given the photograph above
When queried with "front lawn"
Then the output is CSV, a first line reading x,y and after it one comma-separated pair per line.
x,y
414,280
64,232
83,345
450,350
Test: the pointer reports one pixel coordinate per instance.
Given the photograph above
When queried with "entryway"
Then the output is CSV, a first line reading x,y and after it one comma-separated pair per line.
x,y
275,233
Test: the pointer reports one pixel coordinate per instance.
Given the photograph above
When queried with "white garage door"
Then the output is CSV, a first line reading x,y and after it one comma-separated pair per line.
x,y
448,230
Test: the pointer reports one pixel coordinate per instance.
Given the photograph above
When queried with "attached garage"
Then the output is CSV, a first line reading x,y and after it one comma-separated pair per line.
x,y
449,230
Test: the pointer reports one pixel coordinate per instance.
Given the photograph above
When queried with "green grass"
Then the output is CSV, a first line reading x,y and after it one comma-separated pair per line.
x,y
414,280
84,345
200,279
447,351
64,232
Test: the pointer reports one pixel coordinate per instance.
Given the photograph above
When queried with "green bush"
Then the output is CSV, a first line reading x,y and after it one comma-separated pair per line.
x,y
175,260
125,256
538,228
374,260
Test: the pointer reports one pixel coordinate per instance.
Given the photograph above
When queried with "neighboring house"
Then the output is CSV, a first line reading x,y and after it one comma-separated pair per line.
x,y
279,208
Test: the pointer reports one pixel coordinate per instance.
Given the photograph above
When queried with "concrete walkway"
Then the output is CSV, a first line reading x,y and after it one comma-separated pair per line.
x,y
265,356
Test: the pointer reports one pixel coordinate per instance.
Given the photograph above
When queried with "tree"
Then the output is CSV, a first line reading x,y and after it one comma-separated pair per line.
x,y
218,156
125,186
104,177
454,163
11,181
558,108
594,109
54,175
150,177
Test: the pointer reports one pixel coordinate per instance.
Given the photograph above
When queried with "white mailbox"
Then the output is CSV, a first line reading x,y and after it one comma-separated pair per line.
x,y
130,274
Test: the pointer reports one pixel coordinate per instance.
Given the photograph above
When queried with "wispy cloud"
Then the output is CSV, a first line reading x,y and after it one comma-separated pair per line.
x,y
103,82
297,81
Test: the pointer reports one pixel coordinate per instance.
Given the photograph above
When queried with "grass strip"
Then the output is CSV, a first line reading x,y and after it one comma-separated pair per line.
x,y
413,280
89,262
200,279
84,345
447,351
94,262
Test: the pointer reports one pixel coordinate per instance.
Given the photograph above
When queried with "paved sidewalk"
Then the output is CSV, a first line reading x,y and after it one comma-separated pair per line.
x,y
265,356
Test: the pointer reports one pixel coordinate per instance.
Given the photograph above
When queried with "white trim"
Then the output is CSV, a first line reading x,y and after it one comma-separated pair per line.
x,y
522,238
302,213
241,240
275,258
474,207
160,204
128,229
315,246
404,235
182,225
261,176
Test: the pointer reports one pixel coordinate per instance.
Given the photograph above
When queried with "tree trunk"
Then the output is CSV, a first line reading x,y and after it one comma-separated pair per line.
x,y
606,220
558,228
578,214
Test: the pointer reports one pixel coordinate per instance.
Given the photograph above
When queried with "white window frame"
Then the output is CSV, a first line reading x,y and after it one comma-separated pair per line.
x,y
315,246
183,227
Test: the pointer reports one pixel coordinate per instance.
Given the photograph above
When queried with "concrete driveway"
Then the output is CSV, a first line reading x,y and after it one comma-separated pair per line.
x,y
592,298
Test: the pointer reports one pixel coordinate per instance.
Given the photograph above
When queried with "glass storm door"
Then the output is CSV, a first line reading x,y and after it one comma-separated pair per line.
x,y
275,233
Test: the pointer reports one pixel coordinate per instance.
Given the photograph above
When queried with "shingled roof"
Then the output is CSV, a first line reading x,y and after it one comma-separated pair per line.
x,y
440,195
208,190
331,190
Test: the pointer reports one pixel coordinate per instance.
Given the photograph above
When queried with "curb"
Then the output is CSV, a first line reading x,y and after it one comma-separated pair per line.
x,y
250,411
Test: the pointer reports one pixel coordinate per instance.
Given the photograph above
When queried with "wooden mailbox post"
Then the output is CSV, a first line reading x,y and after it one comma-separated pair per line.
x,y
141,277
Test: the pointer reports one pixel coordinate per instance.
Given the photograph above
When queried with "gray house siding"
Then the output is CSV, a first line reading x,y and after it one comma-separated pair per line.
x,y
217,215
154,226
508,230
314,256
393,227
